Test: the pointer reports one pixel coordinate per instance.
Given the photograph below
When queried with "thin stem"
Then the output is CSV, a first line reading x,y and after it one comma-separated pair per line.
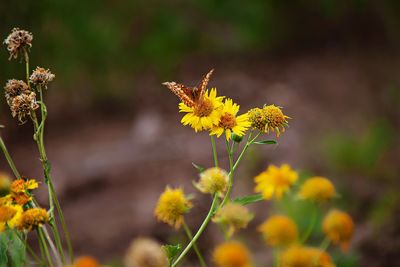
x,y
30,250
311,226
196,249
228,191
45,248
325,244
27,67
53,247
199,232
214,149
9,159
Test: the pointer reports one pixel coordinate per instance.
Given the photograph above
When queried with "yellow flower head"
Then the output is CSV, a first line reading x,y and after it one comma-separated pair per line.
x,y
10,215
20,190
275,181
231,254
213,180
145,252
279,231
18,186
229,122
7,213
317,189
171,207
33,218
339,228
86,261
5,183
300,256
268,118
235,216
205,115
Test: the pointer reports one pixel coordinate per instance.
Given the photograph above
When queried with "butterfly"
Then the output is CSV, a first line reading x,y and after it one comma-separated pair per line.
x,y
191,96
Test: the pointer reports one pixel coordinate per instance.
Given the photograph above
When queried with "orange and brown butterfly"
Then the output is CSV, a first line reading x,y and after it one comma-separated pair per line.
x,y
191,96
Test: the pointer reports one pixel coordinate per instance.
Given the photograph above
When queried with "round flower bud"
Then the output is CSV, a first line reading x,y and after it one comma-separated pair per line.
x,y
317,189
233,215
213,180
279,231
339,228
231,254
86,261
300,256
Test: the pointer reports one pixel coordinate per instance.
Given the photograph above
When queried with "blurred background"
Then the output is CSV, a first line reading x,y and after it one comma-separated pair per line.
x,y
114,136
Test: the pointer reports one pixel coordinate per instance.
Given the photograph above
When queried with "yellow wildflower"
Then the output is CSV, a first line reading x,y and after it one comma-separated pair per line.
x,y
7,213
33,218
86,261
339,228
279,231
145,252
171,207
300,256
18,186
268,118
275,181
317,189
213,180
231,254
204,115
10,215
234,215
229,122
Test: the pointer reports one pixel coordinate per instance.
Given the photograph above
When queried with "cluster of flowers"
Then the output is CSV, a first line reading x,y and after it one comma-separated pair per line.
x,y
218,115
17,211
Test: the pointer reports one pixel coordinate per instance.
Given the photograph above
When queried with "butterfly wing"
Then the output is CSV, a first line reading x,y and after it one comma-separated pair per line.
x,y
201,88
185,94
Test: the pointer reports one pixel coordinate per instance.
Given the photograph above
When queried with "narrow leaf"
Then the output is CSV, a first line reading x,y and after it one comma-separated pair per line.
x,y
199,168
172,251
266,142
249,199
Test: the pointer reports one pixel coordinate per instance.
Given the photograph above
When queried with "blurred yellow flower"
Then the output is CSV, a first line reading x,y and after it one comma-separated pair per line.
x,y
204,115
10,215
279,231
18,186
274,182
317,189
300,256
171,207
7,213
233,215
229,122
231,254
213,180
33,218
86,261
339,228
268,118
145,252
5,182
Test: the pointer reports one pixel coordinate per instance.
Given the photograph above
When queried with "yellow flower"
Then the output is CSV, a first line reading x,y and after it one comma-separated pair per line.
x,y
235,216
213,180
231,254
204,115
7,213
317,189
33,218
10,215
275,181
18,186
279,231
229,122
268,118
339,228
145,252
5,183
171,207
86,261
300,256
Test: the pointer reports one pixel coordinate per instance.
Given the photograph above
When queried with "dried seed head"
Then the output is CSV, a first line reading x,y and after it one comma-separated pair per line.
x,y
22,105
41,76
17,42
14,88
145,252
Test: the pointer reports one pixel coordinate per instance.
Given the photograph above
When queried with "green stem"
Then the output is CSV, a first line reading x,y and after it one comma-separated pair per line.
x,y
30,250
214,149
228,191
9,159
311,226
325,244
44,246
196,249
52,246
199,232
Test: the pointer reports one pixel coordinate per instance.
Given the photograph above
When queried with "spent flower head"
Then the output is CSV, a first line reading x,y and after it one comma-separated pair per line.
x,y
317,189
231,254
172,206
233,215
229,122
145,252
279,230
275,181
339,228
213,180
34,217
269,118
18,42
22,106
41,77
15,88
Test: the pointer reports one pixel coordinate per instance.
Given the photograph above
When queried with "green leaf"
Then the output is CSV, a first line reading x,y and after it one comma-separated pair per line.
x,y
249,199
199,168
266,142
16,250
172,251
3,249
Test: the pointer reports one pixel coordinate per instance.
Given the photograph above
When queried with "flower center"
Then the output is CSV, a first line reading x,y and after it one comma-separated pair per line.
x,y
204,109
227,121
274,116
